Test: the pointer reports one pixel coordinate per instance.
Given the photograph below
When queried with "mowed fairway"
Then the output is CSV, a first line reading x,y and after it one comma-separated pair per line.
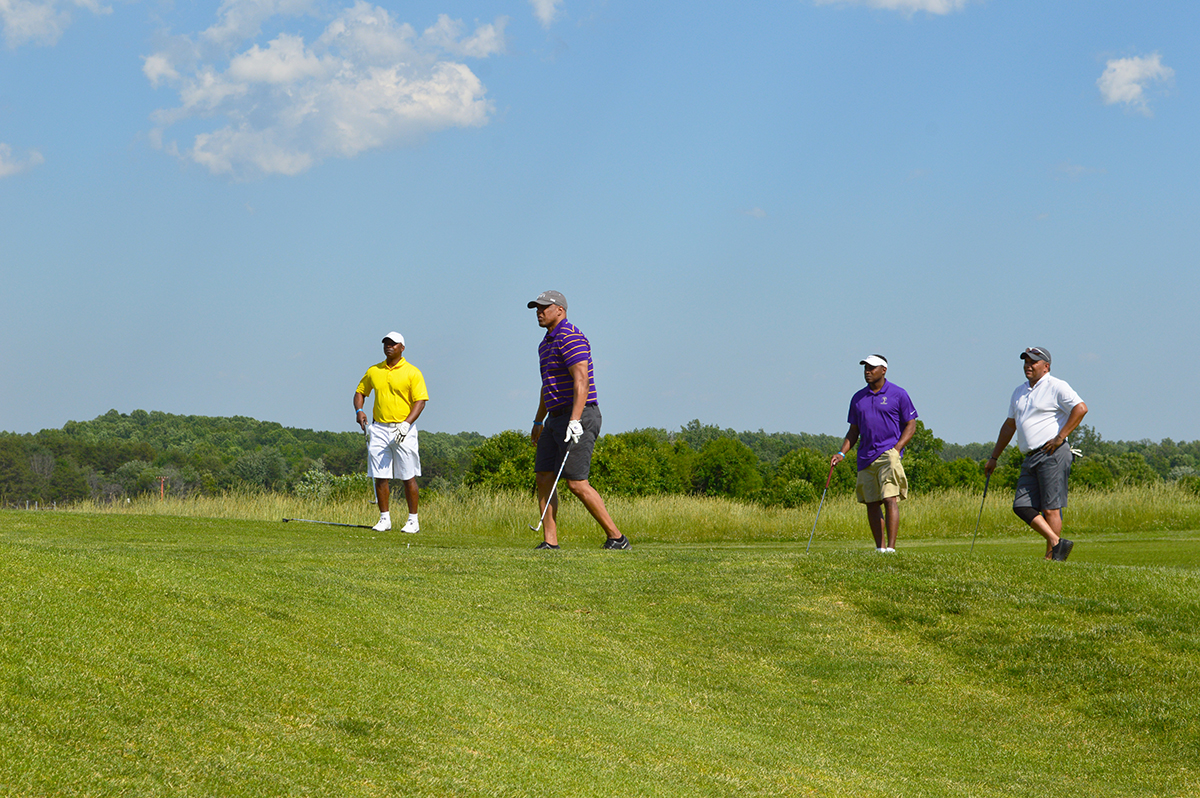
x,y
146,655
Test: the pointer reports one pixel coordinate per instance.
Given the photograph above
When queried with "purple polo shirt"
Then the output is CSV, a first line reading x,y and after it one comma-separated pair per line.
x,y
880,418
563,347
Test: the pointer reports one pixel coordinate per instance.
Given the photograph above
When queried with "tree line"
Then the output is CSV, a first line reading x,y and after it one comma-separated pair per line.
x,y
123,455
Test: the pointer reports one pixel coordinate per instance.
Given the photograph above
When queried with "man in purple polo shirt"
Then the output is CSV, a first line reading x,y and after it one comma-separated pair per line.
x,y
882,421
568,419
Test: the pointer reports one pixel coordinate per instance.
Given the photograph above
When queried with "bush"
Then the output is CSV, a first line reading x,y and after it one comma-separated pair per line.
x,y
800,476
638,463
503,462
727,467
1088,472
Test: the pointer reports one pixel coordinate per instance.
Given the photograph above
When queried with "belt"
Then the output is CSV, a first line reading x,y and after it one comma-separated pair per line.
x,y
562,411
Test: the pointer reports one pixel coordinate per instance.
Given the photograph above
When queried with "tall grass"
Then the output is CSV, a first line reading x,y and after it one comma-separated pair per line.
x,y
505,517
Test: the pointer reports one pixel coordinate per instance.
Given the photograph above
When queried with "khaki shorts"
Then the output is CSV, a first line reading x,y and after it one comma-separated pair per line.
x,y
882,479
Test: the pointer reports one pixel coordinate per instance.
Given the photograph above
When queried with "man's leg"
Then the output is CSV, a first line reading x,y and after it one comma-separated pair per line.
x,y
1053,519
411,495
545,483
891,508
383,494
875,521
584,491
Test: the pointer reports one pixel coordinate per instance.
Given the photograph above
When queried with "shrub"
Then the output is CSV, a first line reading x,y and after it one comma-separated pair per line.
x,y
637,463
503,462
727,467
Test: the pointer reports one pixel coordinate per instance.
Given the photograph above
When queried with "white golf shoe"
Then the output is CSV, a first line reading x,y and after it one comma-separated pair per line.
x,y
383,526
411,527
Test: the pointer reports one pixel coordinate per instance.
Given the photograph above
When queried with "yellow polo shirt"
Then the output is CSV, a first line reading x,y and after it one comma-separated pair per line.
x,y
396,390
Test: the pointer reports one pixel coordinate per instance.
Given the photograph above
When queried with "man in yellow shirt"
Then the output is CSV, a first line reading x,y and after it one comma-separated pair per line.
x,y
400,396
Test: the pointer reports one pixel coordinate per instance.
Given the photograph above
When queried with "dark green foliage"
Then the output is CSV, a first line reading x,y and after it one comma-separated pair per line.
x,y
117,455
726,467
800,475
1089,472
502,462
923,459
637,463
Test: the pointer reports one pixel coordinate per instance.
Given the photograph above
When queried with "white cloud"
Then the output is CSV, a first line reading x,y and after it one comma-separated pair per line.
x,y
366,82
447,35
40,21
9,166
757,213
1125,80
545,10
1072,171
905,6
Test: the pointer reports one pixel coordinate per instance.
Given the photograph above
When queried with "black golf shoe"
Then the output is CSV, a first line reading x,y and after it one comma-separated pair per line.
x,y
545,545
1061,550
618,543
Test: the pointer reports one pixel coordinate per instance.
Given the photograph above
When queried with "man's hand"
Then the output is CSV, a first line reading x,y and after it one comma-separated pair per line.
x,y
402,431
574,431
1049,446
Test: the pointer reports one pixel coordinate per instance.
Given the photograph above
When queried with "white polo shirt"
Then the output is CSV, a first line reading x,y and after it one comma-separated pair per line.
x,y
1041,411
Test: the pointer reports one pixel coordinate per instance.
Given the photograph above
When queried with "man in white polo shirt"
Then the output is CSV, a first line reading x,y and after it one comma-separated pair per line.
x,y
1043,411
392,453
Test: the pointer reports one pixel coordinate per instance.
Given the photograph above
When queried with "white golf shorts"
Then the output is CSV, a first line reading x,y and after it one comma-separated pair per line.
x,y
387,459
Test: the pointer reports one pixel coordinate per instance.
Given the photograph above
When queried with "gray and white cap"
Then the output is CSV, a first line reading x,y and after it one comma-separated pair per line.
x,y
1036,353
395,337
549,298
873,360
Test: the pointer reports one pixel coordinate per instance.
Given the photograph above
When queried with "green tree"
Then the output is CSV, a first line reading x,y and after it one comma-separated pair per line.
x,y
503,462
637,463
727,467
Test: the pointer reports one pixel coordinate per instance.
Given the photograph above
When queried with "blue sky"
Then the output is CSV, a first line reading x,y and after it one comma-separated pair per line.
x,y
221,210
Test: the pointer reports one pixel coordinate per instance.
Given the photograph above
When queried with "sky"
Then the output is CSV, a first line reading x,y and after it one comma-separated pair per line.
x,y
221,210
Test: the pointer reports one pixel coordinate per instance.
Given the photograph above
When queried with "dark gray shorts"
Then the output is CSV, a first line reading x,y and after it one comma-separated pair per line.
x,y
551,448
1043,481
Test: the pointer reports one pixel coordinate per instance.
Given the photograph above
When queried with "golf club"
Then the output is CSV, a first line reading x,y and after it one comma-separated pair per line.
x,y
330,523
553,488
986,480
819,506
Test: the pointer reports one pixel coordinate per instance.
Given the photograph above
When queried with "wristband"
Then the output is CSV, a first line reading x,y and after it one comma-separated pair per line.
x,y
537,423
359,410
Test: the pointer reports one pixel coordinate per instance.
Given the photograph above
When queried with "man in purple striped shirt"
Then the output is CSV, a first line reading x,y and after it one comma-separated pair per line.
x,y
568,419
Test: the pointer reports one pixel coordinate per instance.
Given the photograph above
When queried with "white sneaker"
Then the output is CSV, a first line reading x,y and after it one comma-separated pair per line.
x,y
411,527
383,526
889,550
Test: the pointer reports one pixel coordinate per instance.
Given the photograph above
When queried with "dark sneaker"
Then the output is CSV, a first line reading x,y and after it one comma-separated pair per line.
x,y
545,545
1061,550
617,543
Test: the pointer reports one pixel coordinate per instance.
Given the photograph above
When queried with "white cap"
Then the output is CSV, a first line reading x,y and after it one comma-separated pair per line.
x,y
873,360
394,336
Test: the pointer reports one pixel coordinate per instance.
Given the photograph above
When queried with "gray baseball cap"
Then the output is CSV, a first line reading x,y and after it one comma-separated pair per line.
x,y
1036,353
549,298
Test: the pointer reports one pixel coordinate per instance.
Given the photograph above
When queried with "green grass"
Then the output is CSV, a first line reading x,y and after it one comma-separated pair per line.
x,y
167,655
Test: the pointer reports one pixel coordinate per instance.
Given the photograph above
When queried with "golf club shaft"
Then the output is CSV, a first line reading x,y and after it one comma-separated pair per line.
x,y
553,488
819,506
328,523
986,480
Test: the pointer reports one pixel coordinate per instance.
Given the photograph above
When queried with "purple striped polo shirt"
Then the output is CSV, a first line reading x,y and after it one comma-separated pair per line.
x,y
563,347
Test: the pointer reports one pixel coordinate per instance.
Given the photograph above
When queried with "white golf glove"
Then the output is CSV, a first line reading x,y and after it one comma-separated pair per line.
x,y
402,431
574,432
